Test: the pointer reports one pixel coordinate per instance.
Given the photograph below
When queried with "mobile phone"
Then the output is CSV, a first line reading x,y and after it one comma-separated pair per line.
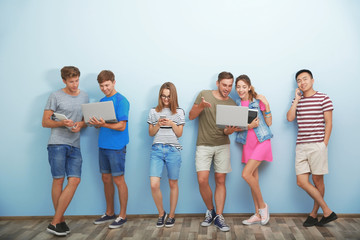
x,y
162,116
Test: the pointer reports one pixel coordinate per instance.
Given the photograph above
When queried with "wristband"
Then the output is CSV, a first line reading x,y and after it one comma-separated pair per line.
x,y
267,113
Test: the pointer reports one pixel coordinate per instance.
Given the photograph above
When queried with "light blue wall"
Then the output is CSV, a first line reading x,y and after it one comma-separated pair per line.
x,y
146,43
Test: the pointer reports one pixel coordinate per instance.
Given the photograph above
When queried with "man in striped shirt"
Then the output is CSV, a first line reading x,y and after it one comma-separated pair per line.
x,y
313,111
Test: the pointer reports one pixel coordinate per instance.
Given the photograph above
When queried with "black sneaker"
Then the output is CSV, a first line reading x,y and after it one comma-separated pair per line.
x,y
310,221
170,222
57,230
65,227
161,220
325,220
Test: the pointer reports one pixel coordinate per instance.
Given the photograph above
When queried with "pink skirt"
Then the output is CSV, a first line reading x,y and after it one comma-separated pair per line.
x,y
255,150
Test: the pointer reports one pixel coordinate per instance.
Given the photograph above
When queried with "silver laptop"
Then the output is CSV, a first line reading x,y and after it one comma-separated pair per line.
x,y
236,116
104,110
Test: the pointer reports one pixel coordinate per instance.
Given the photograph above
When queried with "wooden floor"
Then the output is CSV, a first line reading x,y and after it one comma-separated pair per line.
x,y
186,227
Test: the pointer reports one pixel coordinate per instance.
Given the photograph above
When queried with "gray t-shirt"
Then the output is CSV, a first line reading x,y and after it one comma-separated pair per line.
x,y
70,106
208,133
166,135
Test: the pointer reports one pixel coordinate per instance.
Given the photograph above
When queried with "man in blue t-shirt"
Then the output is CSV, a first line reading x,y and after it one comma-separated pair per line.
x,y
113,138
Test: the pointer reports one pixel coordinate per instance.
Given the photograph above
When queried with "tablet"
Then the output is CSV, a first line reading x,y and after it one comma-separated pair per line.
x,y
60,116
252,115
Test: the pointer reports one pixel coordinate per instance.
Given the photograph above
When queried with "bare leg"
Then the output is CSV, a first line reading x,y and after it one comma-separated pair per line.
x,y
109,193
319,184
157,195
304,183
220,192
174,195
205,190
123,194
250,174
65,199
56,191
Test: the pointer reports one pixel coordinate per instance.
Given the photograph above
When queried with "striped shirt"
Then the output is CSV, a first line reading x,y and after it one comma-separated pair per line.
x,y
310,117
166,135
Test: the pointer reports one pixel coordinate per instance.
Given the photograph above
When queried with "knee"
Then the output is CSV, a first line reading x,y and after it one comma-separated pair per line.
x,y
220,181
58,181
106,178
318,181
300,183
245,176
155,186
75,181
173,184
203,182
119,181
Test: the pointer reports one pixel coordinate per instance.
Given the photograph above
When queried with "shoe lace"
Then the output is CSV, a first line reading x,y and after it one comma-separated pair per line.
x,y
208,216
221,220
118,219
160,220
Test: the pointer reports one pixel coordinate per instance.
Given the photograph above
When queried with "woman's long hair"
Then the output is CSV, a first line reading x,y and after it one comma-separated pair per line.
x,y
173,98
246,79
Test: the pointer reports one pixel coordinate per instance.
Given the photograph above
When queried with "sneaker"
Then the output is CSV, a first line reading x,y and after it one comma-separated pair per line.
x,y
252,220
170,222
325,220
118,222
105,218
264,214
209,218
219,222
161,220
310,221
65,227
57,230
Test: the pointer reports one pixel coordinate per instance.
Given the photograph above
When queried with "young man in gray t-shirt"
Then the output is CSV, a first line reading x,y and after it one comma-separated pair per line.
x,y
64,144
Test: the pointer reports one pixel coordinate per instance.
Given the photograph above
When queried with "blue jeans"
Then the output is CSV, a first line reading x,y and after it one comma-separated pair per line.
x,y
64,159
112,161
164,154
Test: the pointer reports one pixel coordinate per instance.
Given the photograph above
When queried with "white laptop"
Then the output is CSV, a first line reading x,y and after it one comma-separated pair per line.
x,y
104,110
237,116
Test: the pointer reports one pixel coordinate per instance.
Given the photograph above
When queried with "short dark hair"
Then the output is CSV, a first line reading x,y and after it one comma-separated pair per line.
x,y
303,71
225,75
69,72
105,75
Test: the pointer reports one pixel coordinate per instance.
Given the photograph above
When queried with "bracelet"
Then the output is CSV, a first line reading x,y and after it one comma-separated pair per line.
x,y
267,113
268,116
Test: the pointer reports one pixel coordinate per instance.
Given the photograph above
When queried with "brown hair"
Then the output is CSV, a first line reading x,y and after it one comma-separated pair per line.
x,y
105,75
225,75
246,79
173,98
69,72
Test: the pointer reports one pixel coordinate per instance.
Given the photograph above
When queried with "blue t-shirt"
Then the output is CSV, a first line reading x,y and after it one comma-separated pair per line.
x,y
113,139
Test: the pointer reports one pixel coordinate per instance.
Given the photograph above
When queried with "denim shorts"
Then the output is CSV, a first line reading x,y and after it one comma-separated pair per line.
x,y
164,154
64,159
112,161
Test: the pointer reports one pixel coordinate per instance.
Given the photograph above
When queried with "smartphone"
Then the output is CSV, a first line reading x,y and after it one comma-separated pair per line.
x,y
162,116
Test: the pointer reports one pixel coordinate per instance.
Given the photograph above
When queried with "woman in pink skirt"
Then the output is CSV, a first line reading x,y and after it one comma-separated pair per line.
x,y
256,145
